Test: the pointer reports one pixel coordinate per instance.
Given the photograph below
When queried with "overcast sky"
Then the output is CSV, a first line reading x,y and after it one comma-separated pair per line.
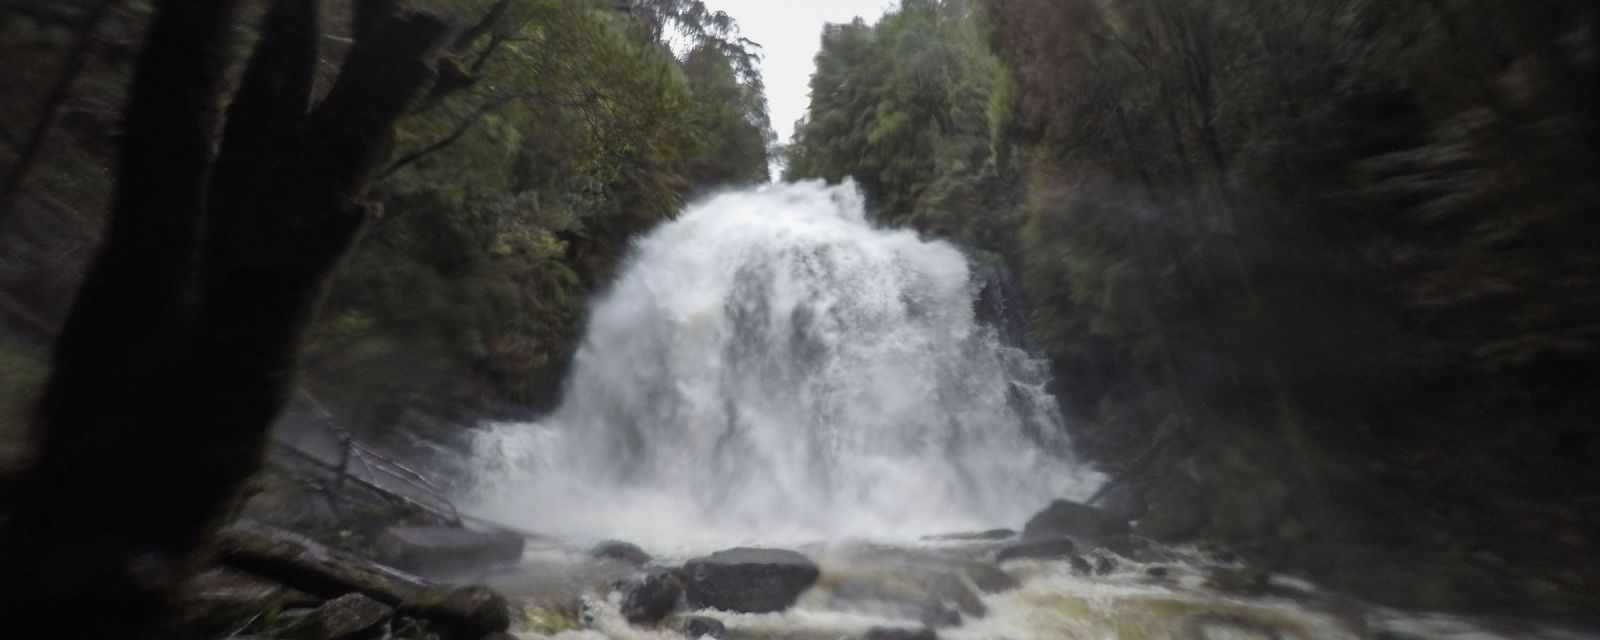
x,y
790,31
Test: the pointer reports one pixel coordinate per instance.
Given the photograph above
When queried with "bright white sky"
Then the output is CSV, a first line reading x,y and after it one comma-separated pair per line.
x,y
790,32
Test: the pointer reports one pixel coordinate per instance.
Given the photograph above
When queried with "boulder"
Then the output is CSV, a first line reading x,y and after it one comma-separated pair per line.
x,y
468,612
219,601
951,589
1037,550
1064,518
625,552
989,578
1080,566
1125,501
347,617
652,597
938,615
749,580
697,627
937,596
1129,546
1103,565
1175,512
447,550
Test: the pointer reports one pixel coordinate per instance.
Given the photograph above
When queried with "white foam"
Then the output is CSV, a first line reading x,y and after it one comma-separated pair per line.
x,y
771,368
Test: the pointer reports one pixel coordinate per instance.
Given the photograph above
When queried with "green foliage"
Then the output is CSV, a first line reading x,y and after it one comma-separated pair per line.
x,y
902,108
572,127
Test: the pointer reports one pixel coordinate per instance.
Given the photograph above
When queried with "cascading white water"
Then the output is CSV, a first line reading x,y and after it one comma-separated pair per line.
x,y
769,367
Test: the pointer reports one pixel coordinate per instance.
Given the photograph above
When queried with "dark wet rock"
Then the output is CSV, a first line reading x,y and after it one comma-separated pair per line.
x,y
220,601
1080,566
1248,511
347,617
926,593
447,550
1104,566
697,627
749,580
1037,549
652,597
471,611
1175,512
1133,547
1125,501
1241,581
974,536
886,633
1074,520
1158,573
989,578
938,615
951,589
625,552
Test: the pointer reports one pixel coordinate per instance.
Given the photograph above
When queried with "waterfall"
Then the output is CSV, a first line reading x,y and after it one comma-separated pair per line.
x,y
769,366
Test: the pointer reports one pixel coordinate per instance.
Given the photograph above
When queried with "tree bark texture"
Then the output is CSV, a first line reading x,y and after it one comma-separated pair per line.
x,y
180,347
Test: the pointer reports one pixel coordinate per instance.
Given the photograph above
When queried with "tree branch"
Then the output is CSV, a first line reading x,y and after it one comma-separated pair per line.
x,y
484,26
265,123
58,96
463,127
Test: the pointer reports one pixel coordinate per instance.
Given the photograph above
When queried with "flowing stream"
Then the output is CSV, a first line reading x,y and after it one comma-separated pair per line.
x,y
770,369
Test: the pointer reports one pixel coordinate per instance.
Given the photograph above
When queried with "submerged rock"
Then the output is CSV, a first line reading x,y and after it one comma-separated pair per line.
x,y
1080,566
445,550
1037,550
651,598
749,580
1074,520
973,536
697,627
1103,566
471,611
625,552
347,617
989,578
938,615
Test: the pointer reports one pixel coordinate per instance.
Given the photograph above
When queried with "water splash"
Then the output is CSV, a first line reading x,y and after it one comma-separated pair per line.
x,y
769,367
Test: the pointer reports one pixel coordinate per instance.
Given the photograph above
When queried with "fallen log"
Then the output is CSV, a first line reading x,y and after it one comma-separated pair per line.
x,y
301,563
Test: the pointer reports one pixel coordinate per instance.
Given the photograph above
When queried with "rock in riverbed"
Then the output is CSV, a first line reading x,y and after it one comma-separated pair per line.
x,y
749,580
697,627
1037,550
624,552
346,617
650,598
445,550
1073,520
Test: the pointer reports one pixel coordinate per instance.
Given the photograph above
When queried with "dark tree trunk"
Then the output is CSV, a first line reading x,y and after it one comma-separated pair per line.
x,y
180,348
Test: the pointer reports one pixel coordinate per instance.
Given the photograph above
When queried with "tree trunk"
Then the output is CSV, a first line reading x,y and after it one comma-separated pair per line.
x,y
180,348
